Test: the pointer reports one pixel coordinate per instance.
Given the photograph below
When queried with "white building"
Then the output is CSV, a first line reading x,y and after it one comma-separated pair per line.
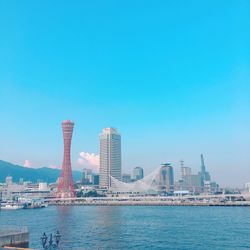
x,y
43,186
9,180
110,156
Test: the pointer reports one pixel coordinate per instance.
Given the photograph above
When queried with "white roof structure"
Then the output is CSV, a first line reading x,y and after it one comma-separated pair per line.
x,y
148,183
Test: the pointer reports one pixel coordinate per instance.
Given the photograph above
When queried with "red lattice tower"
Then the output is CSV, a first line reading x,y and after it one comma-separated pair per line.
x,y
65,185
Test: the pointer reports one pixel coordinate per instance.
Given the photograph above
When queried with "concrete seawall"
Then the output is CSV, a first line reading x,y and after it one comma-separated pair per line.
x,y
145,203
187,200
14,237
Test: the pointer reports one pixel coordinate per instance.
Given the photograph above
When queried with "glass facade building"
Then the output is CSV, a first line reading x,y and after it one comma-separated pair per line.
x,y
138,173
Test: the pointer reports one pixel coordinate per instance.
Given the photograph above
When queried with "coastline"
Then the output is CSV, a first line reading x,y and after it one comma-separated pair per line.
x,y
145,201
156,204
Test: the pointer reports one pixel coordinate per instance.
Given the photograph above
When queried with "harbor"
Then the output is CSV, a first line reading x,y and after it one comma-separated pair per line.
x,y
205,200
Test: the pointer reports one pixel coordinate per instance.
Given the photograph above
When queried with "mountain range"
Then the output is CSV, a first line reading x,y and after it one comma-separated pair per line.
x,y
43,174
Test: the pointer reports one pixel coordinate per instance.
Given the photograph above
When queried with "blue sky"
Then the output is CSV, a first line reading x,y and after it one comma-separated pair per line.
x,y
172,76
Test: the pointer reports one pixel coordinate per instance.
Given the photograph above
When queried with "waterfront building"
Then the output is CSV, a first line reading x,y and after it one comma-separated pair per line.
x,y
110,156
196,184
149,185
211,187
138,173
15,191
126,178
166,178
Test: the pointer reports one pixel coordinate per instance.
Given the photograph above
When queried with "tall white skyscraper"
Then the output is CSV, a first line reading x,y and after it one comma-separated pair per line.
x,y
110,156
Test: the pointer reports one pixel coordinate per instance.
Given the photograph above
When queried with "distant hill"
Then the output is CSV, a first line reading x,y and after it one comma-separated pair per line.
x,y
43,174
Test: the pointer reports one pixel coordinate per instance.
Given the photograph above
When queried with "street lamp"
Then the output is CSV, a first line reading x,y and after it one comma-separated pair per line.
x,y
50,245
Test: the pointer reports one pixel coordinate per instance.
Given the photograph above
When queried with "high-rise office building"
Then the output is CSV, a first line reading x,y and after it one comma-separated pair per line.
x,y
110,156
138,173
186,178
166,178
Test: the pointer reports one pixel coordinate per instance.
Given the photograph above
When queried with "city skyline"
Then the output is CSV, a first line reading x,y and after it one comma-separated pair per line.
x,y
173,79
108,148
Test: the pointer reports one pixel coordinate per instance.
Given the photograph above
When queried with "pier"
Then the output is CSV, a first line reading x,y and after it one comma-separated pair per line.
x,y
17,237
236,200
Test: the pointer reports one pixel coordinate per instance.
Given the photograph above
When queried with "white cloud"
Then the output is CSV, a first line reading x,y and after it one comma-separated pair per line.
x,y
27,164
89,160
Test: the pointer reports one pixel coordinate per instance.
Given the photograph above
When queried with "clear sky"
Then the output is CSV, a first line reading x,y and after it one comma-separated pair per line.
x,y
172,76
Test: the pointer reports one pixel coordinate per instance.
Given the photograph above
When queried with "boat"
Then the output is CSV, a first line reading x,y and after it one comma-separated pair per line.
x,y
34,203
11,206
